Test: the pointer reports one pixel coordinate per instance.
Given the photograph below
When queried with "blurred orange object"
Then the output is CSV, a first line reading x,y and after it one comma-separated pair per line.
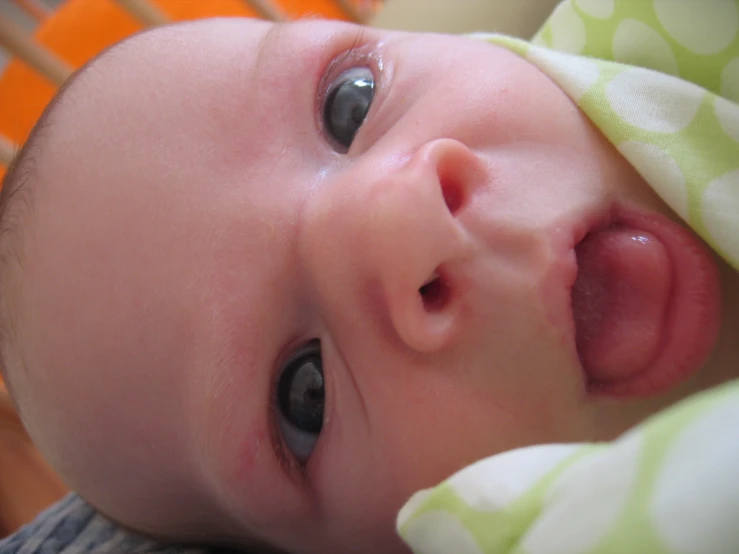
x,y
27,483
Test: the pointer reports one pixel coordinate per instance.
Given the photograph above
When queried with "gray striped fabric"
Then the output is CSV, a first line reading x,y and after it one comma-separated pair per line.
x,y
73,527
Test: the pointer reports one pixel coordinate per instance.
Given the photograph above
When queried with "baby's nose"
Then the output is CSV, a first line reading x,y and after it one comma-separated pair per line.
x,y
413,237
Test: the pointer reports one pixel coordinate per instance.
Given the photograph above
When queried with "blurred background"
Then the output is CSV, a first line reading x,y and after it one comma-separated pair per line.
x,y
43,41
521,18
516,17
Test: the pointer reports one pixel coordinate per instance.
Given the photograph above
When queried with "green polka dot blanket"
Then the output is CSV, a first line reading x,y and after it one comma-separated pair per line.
x,y
669,486
660,78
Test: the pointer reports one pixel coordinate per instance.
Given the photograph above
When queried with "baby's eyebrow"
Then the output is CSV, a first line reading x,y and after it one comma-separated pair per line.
x,y
265,49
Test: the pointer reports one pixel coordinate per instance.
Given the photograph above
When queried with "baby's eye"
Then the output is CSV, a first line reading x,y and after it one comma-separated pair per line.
x,y
347,103
300,400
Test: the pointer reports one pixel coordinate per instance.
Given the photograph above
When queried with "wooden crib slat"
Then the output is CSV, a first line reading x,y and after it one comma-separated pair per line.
x,y
267,9
355,13
146,12
6,151
29,485
19,43
33,8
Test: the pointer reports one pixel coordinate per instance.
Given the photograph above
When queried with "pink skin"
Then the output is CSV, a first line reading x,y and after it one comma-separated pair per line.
x,y
192,227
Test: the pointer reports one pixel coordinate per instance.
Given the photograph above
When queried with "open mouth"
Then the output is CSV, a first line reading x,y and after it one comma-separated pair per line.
x,y
646,305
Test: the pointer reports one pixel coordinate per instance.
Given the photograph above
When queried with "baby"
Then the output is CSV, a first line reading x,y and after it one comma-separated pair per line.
x,y
261,283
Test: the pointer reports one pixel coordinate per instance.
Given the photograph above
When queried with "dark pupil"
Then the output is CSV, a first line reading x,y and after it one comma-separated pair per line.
x,y
301,394
347,107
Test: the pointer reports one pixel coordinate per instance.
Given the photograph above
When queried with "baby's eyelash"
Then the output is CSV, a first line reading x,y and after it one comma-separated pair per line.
x,y
287,462
358,39
353,51
358,54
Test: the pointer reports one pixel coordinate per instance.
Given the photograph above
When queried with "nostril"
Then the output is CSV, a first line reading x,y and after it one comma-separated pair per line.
x,y
453,196
435,294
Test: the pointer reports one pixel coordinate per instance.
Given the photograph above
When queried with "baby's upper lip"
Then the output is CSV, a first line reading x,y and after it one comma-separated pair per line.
x,y
551,257
558,295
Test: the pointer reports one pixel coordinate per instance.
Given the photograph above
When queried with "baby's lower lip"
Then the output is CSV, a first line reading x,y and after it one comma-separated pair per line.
x,y
646,305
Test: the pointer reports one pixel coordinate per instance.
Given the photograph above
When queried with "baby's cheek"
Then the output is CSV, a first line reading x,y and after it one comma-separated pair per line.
x,y
258,446
357,491
361,509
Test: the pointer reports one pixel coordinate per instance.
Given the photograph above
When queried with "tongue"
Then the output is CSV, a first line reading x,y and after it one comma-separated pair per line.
x,y
619,302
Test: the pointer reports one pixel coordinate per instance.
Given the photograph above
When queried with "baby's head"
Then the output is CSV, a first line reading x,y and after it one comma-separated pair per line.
x,y
262,282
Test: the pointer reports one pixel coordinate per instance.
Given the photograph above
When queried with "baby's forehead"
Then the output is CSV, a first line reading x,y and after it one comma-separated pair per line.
x,y
203,47
136,67
168,100
141,107
162,44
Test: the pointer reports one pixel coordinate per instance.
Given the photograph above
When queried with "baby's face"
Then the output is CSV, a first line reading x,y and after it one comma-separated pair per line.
x,y
249,321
